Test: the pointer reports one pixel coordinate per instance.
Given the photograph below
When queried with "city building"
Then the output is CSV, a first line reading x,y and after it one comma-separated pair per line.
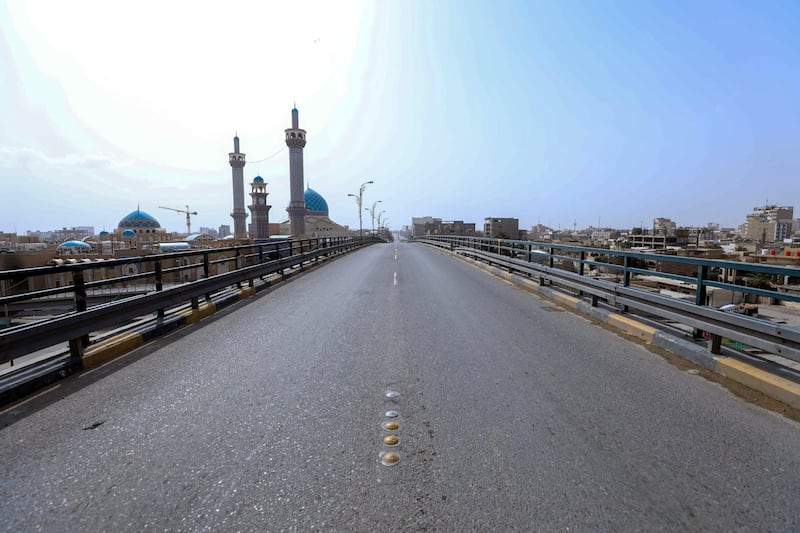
x,y
425,226
540,232
436,226
501,228
664,226
224,231
769,223
641,238
63,234
456,227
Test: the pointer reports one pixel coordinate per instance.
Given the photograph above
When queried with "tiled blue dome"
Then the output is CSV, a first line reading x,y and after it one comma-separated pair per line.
x,y
129,233
139,219
75,245
258,179
315,203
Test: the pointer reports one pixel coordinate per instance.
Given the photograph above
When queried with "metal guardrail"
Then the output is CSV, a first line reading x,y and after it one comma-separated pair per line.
x,y
74,327
538,260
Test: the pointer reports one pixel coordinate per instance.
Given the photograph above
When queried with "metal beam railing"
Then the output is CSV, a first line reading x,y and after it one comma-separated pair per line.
x,y
538,260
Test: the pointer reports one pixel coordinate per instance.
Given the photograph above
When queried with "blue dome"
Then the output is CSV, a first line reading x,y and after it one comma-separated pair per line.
x,y
139,219
75,244
315,203
129,233
103,233
258,179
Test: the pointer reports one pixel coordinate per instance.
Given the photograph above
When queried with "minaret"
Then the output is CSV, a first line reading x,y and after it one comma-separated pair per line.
x,y
296,140
239,215
259,225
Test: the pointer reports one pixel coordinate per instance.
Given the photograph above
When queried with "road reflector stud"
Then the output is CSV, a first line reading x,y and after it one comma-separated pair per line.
x,y
389,458
391,425
391,440
392,394
391,414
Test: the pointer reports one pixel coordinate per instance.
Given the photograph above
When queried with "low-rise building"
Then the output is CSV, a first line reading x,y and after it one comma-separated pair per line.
x,y
501,228
769,223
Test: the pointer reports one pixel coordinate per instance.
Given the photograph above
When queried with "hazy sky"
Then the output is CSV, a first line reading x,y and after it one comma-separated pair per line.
x,y
546,111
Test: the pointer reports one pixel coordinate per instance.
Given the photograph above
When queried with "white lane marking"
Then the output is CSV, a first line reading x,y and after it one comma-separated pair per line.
x,y
395,278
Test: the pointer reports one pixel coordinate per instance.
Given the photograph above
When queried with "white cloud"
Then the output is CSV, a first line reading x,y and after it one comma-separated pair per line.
x,y
16,156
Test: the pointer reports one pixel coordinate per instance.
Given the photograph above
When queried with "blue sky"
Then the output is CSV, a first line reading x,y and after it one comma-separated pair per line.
x,y
546,111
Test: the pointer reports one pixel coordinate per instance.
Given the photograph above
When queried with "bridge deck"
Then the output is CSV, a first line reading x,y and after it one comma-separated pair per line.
x,y
511,413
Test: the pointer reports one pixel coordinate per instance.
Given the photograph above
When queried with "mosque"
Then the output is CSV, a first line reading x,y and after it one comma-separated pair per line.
x,y
317,221
139,232
308,211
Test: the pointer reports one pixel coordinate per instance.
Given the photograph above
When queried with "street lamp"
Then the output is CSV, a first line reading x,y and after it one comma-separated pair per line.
x,y
372,212
379,220
359,197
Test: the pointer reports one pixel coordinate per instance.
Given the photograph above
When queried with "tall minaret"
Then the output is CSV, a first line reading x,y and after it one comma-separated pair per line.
x,y
296,140
239,215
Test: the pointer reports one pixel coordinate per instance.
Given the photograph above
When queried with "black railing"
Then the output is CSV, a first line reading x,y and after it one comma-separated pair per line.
x,y
158,287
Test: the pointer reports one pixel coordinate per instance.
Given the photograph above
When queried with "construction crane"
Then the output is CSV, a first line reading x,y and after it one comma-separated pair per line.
x,y
188,217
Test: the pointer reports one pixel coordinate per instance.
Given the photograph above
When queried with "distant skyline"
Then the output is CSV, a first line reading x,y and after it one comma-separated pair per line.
x,y
545,111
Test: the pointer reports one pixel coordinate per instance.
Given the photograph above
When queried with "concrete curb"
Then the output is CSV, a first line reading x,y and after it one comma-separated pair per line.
x,y
776,387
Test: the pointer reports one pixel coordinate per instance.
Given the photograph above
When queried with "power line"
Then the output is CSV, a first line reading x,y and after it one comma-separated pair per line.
x,y
268,157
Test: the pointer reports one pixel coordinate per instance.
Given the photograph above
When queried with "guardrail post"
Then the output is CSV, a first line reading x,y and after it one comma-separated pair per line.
x,y
582,258
76,346
303,250
715,344
700,293
159,286
238,266
700,299
280,257
552,251
626,277
530,254
206,274
79,290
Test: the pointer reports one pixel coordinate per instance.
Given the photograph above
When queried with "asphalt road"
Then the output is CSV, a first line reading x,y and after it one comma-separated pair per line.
x,y
513,415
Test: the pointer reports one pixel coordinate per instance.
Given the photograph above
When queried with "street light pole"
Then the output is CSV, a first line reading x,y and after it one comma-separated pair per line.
x,y
372,212
359,197
379,219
